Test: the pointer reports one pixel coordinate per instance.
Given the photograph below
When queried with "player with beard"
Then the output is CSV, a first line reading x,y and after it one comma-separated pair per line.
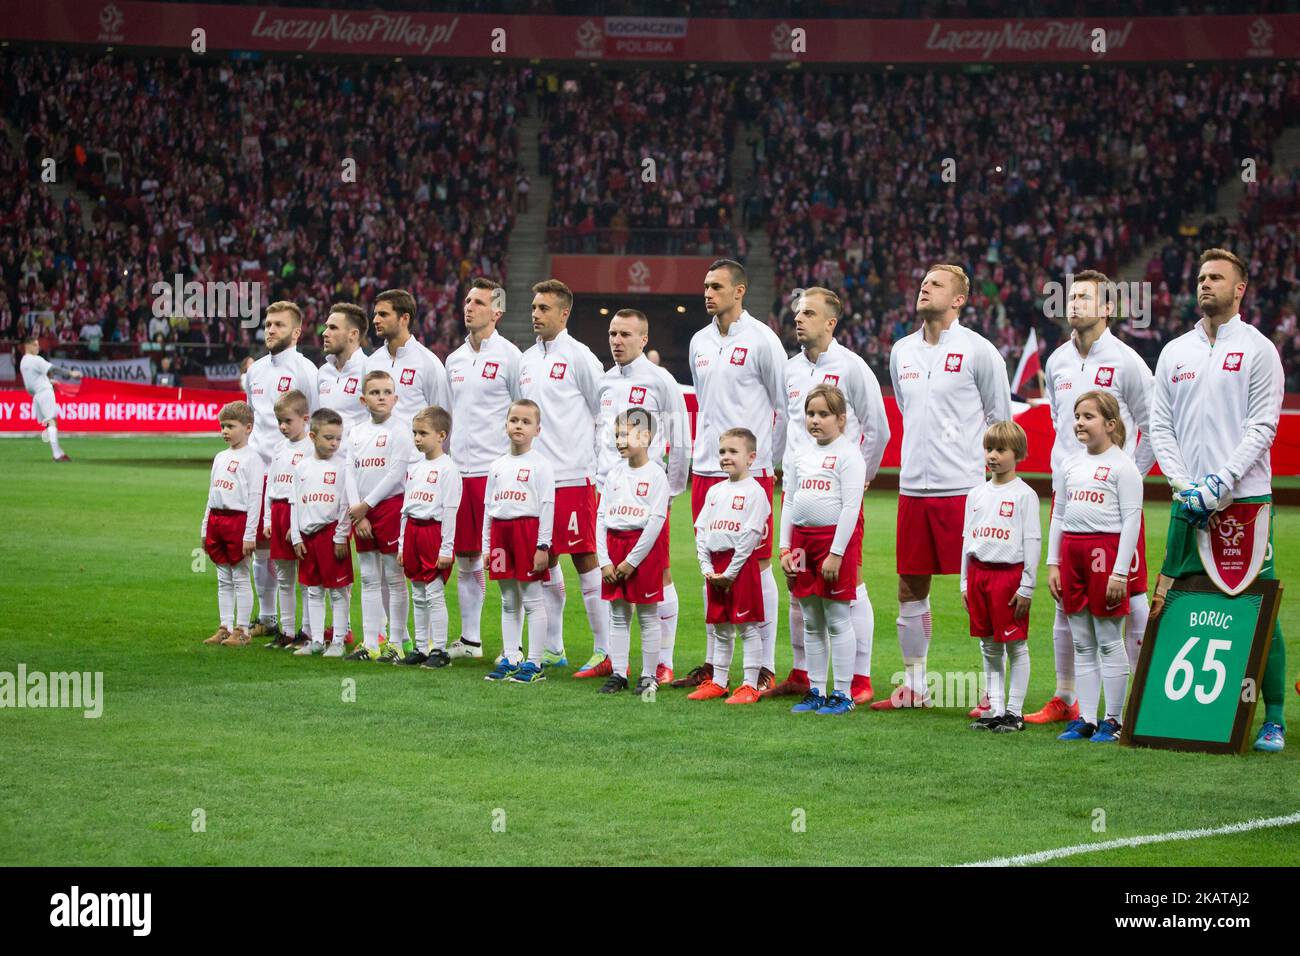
x,y
345,366
417,373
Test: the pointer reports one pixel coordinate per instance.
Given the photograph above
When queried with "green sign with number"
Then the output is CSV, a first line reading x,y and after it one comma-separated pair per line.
x,y
1198,679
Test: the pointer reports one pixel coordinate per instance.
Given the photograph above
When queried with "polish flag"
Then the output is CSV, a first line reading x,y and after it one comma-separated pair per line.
x,y
1026,376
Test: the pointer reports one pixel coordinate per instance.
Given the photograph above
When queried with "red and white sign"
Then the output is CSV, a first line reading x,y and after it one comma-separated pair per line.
x,y
96,405
638,275
1234,546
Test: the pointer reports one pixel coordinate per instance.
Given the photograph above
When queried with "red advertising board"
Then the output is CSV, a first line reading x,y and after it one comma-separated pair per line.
x,y
634,275
96,405
483,36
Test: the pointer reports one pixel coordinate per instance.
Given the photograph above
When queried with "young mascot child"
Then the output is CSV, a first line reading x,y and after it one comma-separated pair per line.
x,y
380,451
632,549
319,526
730,526
292,413
433,492
1001,542
821,547
1090,554
229,529
518,514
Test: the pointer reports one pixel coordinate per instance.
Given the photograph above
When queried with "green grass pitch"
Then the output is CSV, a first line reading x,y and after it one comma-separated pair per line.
x,y
96,574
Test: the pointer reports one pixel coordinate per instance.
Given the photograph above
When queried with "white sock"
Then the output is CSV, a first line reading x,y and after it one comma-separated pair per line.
x,y
244,593
1018,652
398,604
512,619
752,639
372,598
1063,645
798,643
438,614
341,599
650,620
844,643
471,590
314,605
1139,609
914,623
538,627
52,435
816,642
286,574
226,595
1087,668
864,631
667,626
723,645
264,582
994,676
620,635
554,594
597,610
710,631
420,605
771,608
1114,664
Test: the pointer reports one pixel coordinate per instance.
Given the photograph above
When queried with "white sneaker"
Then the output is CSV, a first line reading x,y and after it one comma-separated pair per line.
x,y
307,650
334,650
459,649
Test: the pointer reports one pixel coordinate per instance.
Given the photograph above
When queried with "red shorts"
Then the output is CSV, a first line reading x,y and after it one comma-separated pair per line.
x,y
1137,580
281,546
263,541
700,485
420,548
816,547
320,568
469,518
646,584
1082,586
512,545
989,590
575,520
929,534
742,603
385,525
224,542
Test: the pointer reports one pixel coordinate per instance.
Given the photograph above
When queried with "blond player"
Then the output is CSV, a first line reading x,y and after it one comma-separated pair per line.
x,y
294,418
562,376
484,379
738,370
634,382
418,376
950,384
230,522
36,379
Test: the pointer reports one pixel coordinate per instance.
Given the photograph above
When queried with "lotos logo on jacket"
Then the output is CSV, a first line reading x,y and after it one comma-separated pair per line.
x,y
738,503
1232,361
408,376
1007,509
953,362
642,489
738,355
286,382
490,369
522,474
637,395
558,370
1102,473
1105,376
831,380
329,477
350,387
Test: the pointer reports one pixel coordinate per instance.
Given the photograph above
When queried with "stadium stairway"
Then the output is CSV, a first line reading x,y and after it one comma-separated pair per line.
x,y
1286,154
61,189
758,258
527,260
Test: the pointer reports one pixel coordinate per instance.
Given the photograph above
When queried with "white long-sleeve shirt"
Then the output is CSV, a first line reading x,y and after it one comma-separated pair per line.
x,y
1110,366
483,384
378,456
279,478
520,486
948,394
1099,494
734,517
266,381
1002,526
419,379
236,485
433,491
739,381
36,374
1216,407
825,485
340,389
563,377
318,499
633,499
642,384
866,423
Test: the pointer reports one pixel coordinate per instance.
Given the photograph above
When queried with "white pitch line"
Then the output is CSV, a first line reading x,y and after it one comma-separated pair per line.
x,y
1043,856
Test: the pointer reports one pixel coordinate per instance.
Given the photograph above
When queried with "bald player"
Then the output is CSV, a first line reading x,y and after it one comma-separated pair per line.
x,y
283,369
